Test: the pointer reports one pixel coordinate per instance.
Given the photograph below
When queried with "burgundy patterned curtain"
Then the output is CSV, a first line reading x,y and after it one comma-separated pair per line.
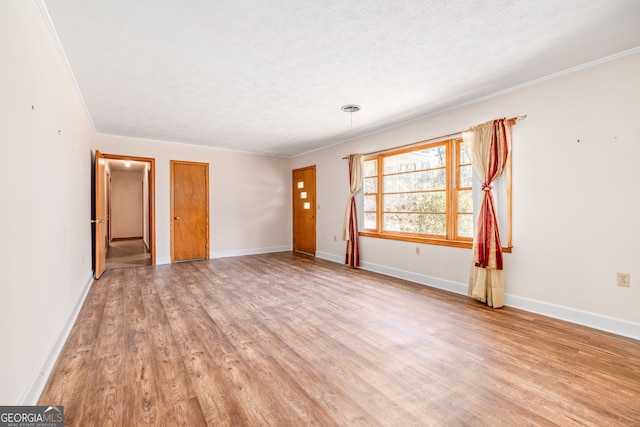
x,y
489,145
350,228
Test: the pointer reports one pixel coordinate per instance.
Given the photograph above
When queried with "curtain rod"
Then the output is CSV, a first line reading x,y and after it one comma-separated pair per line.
x,y
515,119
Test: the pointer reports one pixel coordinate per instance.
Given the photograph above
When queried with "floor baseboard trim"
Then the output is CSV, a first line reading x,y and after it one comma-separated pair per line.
x,y
255,251
597,321
238,252
36,386
422,279
330,257
601,322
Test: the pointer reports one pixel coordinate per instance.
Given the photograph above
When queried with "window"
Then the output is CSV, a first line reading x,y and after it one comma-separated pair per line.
x,y
423,194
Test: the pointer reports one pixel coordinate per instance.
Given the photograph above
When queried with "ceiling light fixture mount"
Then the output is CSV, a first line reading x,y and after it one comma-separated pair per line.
x,y
350,108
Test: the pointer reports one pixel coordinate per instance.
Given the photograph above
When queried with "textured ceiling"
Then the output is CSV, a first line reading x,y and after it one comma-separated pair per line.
x,y
270,76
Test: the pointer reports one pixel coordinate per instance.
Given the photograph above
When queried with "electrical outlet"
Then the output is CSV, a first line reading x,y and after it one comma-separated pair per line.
x,y
624,279
417,250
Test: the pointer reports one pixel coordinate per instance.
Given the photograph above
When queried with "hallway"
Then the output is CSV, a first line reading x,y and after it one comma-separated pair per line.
x,y
128,253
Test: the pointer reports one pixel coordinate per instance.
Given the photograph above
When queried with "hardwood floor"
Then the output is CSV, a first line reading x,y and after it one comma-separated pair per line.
x,y
286,340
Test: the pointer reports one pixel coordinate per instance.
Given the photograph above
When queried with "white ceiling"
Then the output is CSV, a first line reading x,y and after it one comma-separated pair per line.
x,y
270,76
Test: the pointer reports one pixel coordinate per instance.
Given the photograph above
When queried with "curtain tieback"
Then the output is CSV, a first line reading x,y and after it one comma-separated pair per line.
x,y
487,187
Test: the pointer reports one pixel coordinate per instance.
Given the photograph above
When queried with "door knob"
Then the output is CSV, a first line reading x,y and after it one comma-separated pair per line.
x,y
176,217
312,217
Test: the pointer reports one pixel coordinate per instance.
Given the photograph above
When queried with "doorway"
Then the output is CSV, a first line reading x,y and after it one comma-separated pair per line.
x,y
189,211
304,210
127,187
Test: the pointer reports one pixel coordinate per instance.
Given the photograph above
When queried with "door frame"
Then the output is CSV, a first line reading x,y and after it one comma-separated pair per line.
x,y
152,196
98,220
172,207
108,203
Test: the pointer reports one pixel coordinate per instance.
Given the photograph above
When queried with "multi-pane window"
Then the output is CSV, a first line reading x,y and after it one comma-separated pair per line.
x,y
464,193
422,193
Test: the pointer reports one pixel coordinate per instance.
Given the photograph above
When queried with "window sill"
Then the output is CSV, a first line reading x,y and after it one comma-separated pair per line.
x,y
465,244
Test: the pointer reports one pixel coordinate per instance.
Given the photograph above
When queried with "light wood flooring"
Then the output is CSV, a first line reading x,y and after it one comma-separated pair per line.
x,y
286,340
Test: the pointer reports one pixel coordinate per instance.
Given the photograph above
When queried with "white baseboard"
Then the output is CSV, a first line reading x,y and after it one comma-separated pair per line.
x,y
330,257
255,251
434,282
238,252
585,318
580,317
36,386
163,260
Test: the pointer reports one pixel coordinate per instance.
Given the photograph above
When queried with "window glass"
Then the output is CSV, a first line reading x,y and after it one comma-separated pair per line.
x,y
424,194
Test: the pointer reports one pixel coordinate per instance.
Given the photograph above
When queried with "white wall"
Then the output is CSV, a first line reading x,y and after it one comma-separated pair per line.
x,y
126,204
575,204
45,188
249,195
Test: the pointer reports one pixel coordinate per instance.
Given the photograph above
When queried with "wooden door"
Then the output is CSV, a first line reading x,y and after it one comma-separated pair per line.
x,y
100,215
189,211
304,210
